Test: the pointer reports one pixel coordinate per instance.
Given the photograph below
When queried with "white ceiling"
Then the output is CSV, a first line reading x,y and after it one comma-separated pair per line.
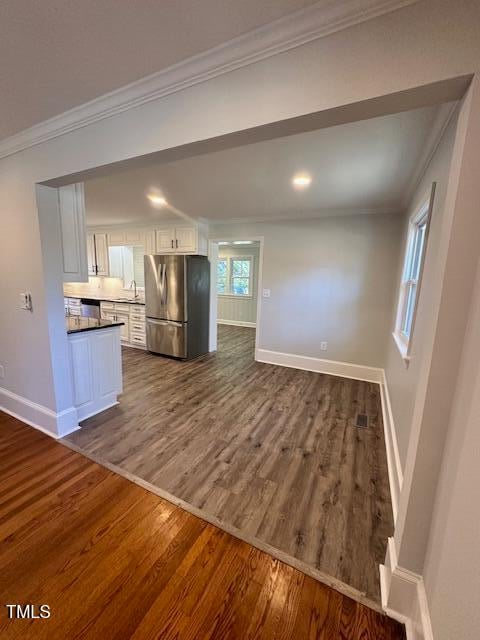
x,y
57,54
355,168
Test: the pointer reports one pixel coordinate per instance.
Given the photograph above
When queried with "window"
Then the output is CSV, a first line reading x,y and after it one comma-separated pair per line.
x,y
411,277
222,275
234,276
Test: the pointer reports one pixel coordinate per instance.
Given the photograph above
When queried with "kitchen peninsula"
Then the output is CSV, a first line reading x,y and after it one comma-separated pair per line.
x,y
95,363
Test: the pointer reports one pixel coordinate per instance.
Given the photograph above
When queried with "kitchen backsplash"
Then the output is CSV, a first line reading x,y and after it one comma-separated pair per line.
x,y
108,287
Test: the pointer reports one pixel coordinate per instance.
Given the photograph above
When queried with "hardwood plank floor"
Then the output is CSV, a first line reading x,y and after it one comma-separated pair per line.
x,y
267,451
115,561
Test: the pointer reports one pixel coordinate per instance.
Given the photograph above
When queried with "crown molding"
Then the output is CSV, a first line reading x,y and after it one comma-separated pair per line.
x,y
298,28
308,215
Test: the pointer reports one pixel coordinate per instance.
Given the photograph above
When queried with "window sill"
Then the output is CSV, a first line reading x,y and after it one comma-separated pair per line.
x,y
402,348
232,295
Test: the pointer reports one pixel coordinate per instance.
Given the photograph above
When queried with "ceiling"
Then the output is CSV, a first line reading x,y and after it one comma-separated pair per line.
x,y
58,54
360,167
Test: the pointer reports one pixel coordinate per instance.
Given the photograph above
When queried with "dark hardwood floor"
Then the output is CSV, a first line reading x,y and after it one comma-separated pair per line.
x,y
115,561
269,453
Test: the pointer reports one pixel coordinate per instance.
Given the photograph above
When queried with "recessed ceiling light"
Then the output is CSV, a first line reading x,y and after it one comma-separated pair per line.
x,y
157,200
301,181
242,242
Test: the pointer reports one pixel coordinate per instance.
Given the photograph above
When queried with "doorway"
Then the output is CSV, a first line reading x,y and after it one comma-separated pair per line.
x,y
235,294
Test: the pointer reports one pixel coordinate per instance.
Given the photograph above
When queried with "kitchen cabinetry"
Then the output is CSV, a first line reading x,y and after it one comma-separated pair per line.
x,y
177,240
132,333
126,237
96,369
97,252
73,306
71,209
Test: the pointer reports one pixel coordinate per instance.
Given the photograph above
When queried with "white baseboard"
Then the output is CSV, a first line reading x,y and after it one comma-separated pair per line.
x,y
404,597
56,425
395,472
237,323
318,365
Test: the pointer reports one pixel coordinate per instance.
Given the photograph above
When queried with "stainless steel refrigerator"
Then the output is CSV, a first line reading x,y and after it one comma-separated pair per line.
x,y
177,305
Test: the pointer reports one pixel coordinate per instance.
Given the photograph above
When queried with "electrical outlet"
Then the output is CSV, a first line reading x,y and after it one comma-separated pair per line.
x,y
266,293
2,371
323,346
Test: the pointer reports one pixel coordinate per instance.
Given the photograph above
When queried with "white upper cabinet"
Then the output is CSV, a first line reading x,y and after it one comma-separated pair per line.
x,y
101,251
92,262
71,206
165,240
149,242
97,254
186,239
180,240
127,237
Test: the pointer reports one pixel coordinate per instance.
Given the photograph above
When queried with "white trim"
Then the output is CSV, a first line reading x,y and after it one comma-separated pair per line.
x,y
404,597
395,473
421,217
402,348
318,365
293,30
237,323
56,425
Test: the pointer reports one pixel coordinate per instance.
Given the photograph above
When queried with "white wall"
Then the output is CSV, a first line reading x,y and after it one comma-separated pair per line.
x,y
331,279
97,287
452,567
430,41
403,381
390,54
236,308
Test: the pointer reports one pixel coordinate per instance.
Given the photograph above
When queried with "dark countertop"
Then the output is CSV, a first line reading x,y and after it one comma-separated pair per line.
x,y
76,324
103,299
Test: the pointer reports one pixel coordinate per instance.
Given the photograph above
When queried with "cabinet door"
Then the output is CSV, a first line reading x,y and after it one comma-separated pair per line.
x,y
149,242
116,237
125,328
134,237
101,252
92,270
71,207
186,239
165,240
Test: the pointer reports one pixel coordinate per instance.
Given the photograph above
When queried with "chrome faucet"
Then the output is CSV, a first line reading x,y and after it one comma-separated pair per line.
x,y
134,284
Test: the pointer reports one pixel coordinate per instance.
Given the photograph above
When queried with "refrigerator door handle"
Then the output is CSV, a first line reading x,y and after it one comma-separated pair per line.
x,y
165,323
163,297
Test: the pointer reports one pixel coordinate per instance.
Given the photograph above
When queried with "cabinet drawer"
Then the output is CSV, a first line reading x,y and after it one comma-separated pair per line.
x,y
136,316
108,306
74,311
138,339
74,302
122,308
137,327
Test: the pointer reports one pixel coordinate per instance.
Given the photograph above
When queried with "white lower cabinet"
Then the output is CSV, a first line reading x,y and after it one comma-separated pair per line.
x,y
132,332
96,366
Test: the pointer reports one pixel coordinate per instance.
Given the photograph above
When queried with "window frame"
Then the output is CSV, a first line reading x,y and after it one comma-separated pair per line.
x,y
229,293
413,264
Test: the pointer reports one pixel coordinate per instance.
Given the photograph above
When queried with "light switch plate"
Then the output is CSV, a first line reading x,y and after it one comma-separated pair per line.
x,y
26,301
2,371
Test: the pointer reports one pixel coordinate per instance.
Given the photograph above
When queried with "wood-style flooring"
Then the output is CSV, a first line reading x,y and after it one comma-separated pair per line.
x,y
114,561
267,451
